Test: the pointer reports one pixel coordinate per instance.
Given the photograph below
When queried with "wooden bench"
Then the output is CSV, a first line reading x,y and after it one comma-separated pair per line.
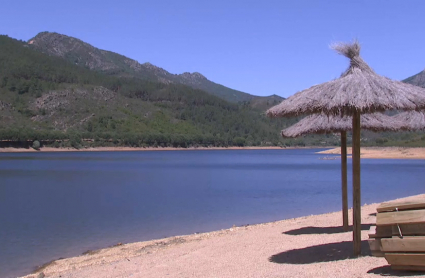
x,y
399,234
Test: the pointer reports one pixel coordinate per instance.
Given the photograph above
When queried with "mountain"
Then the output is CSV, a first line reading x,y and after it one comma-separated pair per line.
x,y
94,102
417,79
83,54
46,97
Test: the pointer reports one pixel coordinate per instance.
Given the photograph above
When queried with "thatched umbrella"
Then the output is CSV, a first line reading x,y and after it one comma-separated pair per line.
x,y
359,90
321,123
413,119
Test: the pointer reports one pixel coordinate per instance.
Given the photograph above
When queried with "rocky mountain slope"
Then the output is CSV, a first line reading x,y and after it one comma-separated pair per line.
x,y
417,79
86,55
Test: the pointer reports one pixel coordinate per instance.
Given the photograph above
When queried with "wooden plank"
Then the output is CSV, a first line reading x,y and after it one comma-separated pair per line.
x,y
375,244
357,241
408,267
407,229
418,203
372,232
381,231
405,244
390,231
376,247
378,254
401,217
416,259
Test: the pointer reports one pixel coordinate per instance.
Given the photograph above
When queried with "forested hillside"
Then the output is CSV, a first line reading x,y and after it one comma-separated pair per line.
x,y
48,98
65,100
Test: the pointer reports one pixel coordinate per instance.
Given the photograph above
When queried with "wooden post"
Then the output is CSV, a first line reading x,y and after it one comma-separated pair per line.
x,y
356,185
344,180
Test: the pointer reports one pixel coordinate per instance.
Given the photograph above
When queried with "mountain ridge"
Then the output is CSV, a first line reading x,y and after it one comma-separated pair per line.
x,y
417,79
81,53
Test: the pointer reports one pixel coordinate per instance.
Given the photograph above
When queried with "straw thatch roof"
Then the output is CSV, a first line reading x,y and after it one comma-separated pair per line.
x,y
358,89
321,123
413,119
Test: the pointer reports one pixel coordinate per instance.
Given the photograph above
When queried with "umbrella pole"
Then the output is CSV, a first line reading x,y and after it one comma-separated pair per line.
x,y
344,180
356,184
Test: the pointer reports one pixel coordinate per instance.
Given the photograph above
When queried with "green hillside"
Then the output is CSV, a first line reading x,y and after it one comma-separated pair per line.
x,y
46,97
66,100
417,79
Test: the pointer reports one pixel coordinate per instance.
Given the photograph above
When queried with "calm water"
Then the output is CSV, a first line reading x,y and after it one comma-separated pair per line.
x,y
61,204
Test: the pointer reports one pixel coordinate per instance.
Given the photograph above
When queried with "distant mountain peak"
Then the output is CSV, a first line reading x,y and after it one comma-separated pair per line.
x,y
147,64
55,42
194,75
156,70
417,79
74,50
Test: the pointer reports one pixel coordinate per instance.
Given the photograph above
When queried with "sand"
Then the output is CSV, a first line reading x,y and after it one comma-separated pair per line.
x,y
384,152
312,246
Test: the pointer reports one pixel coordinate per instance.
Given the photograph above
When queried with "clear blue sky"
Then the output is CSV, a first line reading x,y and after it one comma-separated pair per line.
x,y
259,47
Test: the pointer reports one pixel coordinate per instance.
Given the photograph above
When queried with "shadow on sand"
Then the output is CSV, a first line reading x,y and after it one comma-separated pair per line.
x,y
322,230
319,253
387,271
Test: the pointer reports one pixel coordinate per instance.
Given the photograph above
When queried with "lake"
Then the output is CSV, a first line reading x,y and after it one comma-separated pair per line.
x,y
62,204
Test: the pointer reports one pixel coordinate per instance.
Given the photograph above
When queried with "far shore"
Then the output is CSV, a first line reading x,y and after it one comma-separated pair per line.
x,y
129,149
310,246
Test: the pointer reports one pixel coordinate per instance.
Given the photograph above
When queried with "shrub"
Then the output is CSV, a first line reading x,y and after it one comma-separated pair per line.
x,y
36,145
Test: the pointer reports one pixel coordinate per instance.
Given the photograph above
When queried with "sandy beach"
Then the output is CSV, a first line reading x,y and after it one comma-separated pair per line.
x,y
384,152
312,246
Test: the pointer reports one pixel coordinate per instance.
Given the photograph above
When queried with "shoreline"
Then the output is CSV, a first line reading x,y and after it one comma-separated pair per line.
x,y
309,246
133,149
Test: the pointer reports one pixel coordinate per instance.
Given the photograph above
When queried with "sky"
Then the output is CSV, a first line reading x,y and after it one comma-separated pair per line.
x,y
258,47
